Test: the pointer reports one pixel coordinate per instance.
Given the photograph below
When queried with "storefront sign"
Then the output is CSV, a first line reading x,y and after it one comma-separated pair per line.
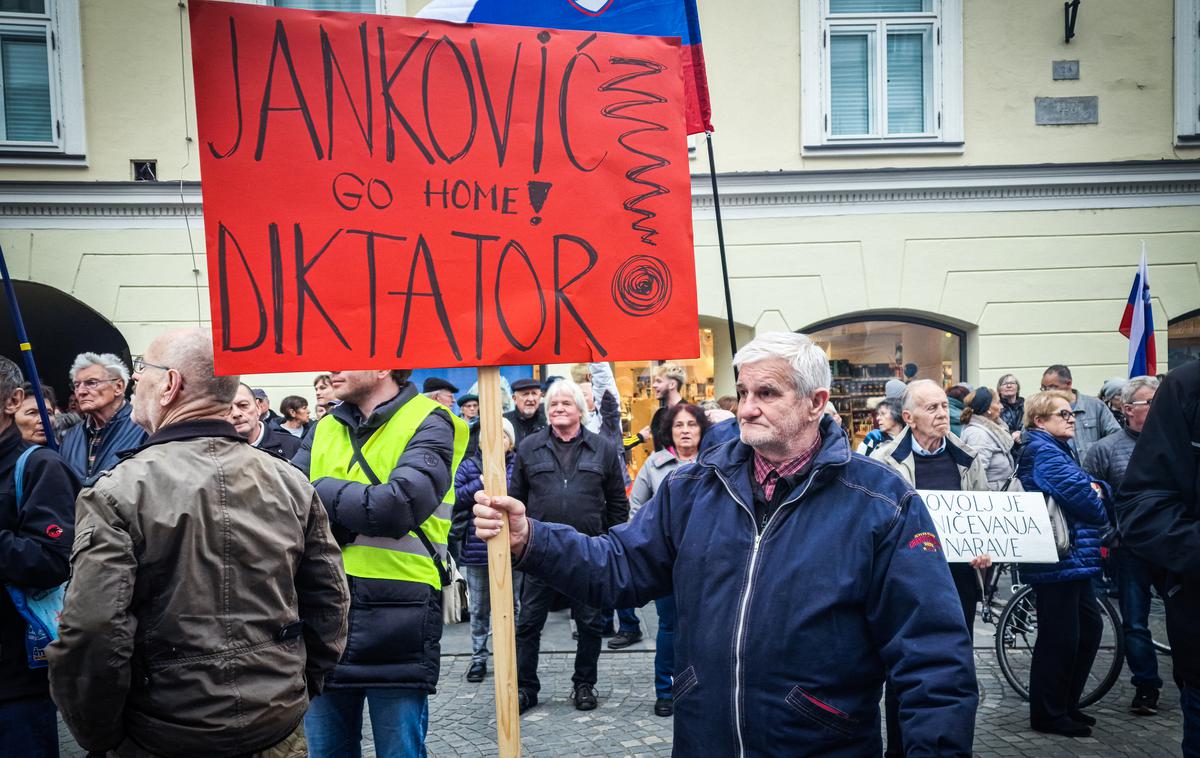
x,y
383,191
1011,527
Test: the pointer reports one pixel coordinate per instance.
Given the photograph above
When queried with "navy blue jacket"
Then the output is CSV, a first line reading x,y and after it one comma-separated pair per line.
x,y
1049,467
467,548
119,435
785,638
35,548
720,433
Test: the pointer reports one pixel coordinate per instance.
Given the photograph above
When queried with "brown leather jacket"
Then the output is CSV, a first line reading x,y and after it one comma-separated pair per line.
x,y
192,562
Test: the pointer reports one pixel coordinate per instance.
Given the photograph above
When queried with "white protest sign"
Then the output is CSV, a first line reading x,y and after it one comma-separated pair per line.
x,y
1011,527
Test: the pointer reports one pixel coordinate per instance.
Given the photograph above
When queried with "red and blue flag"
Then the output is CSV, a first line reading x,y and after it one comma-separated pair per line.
x,y
654,18
1138,324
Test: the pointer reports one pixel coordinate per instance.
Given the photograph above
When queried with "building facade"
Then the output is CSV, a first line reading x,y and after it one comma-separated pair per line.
x,y
941,183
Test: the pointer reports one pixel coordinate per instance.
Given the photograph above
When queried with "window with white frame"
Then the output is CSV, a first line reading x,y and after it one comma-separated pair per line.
x,y
881,73
41,87
1187,72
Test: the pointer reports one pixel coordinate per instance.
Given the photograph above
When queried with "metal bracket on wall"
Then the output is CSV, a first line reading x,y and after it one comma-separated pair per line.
x,y
1070,13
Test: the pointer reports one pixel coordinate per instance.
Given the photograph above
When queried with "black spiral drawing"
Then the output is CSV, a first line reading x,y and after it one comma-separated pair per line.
x,y
642,285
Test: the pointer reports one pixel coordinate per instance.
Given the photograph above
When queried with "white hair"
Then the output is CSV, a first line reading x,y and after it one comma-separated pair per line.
x,y
908,400
115,367
1136,383
810,365
566,387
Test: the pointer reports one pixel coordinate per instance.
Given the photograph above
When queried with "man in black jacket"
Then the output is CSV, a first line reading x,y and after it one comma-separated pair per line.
x,y
243,414
35,548
527,415
567,475
1158,511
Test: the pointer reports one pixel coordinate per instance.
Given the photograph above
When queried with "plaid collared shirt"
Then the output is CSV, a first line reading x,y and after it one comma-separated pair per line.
x,y
768,474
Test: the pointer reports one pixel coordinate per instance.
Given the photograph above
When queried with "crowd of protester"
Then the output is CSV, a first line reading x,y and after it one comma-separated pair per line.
x,y
247,582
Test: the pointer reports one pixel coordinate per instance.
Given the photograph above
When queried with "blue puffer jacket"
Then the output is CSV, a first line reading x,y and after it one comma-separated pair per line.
x,y
784,639
1047,466
466,548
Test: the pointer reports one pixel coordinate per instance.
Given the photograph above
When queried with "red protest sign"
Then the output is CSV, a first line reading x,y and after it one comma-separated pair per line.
x,y
383,191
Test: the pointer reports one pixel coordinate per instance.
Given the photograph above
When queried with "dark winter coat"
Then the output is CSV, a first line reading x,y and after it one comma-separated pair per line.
x,y
785,638
1159,503
1013,414
467,548
395,626
1048,466
35,548
119,435
591,498
523,427
279,441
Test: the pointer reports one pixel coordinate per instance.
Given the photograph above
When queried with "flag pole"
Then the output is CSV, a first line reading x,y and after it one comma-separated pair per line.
x,y
31,371
712,174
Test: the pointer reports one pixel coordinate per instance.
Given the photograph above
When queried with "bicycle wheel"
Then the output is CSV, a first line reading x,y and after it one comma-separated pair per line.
x,y
1016,635
1158,624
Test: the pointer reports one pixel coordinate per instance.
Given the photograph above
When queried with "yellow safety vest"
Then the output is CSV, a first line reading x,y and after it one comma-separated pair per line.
x,y
404,558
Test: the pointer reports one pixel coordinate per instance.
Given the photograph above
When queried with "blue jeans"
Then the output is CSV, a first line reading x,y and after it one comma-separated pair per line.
x,y
664,653
480,606
399,721
1134,579
627,618
29,728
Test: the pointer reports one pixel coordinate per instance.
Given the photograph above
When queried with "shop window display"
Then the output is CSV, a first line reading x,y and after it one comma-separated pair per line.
x,y
864,355
638,402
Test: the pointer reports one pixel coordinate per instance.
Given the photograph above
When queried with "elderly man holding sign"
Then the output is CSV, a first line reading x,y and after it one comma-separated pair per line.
x,y
930,457
794,559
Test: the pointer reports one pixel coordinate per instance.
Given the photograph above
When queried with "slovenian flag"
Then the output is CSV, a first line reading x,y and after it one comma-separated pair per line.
x,y
653,18
1138,324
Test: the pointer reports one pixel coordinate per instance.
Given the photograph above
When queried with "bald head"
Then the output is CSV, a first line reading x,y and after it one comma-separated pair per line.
x,y
927,411
178,381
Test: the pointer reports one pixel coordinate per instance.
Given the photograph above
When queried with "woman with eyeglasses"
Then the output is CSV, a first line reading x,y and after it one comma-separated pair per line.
x,y
1068,617
1012,405
687,424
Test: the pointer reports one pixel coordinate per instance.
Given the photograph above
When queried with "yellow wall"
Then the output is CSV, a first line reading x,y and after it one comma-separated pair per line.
x,y
1030,288
133,87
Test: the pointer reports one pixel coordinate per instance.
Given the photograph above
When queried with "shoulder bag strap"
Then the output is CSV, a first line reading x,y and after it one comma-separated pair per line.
x,y
19,474
358,457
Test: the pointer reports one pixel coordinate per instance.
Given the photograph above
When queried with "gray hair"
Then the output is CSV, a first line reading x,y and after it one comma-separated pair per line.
x,y
11,379
810,366
111,363
190,352
566,387
1136,383
908,401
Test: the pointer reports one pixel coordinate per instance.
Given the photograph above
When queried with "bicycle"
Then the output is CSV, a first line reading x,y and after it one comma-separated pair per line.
x,y
1016,634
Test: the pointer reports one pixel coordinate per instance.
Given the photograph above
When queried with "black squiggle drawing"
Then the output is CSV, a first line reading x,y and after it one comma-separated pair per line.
x,y
642,285
616,110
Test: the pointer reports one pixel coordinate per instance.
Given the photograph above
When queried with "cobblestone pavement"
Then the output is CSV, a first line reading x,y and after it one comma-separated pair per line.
x,y
462,720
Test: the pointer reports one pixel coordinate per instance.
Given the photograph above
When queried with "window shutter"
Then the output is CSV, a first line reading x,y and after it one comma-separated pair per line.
x,y
26,76
850,83
906,82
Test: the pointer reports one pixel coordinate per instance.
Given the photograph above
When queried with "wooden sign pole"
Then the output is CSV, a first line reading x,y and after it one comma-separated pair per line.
x,y
504,640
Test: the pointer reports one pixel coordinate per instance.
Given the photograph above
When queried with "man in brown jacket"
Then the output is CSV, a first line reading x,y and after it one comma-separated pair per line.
x,y
207,599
